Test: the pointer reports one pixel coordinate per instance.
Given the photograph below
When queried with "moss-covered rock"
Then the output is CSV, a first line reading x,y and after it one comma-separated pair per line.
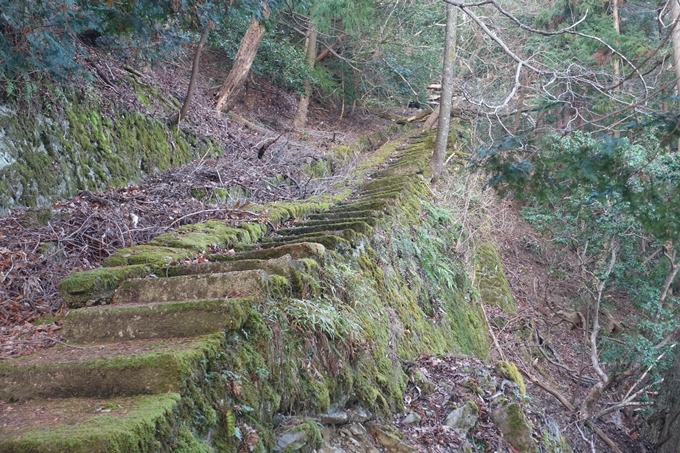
x,y
97,286
509,371
491,280
511,421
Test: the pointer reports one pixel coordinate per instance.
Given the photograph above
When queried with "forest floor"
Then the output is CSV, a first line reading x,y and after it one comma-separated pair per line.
x,y
84,230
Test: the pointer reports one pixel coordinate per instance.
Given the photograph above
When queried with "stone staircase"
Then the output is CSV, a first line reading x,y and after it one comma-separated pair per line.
x,y
146,336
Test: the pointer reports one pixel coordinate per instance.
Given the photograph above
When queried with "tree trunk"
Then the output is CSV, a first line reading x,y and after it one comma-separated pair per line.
x,y
300,119
617,28
439,154
177,118
663,428
675,13
247,50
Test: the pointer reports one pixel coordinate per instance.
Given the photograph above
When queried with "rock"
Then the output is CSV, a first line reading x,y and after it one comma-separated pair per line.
x,y
334,418
509,371
357,429
353,438
358,414
422,382
390,440
511,422
464,418
291,441
411,418
467,448
303,437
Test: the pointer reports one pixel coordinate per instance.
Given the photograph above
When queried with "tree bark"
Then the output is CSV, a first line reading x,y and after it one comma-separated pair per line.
x,y
247,50
663,428
439,154
617,28
300,119
177,118
675,13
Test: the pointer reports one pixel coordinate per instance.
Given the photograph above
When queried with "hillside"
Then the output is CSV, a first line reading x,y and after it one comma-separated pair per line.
x,y
419,277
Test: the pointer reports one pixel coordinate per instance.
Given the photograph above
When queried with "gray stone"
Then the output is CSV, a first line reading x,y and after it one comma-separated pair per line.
x,y
358,414
464,418
357,429
516,431
411,418
334,418
390,441
291,441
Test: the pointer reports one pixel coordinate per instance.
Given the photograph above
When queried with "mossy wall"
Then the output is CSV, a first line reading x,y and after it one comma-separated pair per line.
x,y
71,145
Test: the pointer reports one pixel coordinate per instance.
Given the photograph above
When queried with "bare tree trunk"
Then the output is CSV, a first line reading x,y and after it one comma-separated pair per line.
x,y
247,50
439,154
675,13
327,50
670,277
177,117
300,119
617,27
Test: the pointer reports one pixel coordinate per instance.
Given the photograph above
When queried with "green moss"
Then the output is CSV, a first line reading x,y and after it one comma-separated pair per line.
x,y
152,255
73,146
96,286
132,426
493,285
508,370
201,236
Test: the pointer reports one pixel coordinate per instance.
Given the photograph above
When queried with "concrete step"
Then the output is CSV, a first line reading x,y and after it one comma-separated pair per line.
x,y
297,251
108,324
358,226
329,240
284,266
330,215
141,367
191,287
88,425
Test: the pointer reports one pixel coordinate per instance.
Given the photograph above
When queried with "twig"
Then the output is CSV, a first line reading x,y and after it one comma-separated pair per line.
x,y
571,408
65,344
493,336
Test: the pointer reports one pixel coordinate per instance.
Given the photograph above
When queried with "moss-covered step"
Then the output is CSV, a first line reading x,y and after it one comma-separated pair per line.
x,y
384,184
370,220
86,425
192,287
140,367
373,205
284,266
358,226
201,236
97,286
297,251
151,255
375,195
329,215
107,324
339,241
